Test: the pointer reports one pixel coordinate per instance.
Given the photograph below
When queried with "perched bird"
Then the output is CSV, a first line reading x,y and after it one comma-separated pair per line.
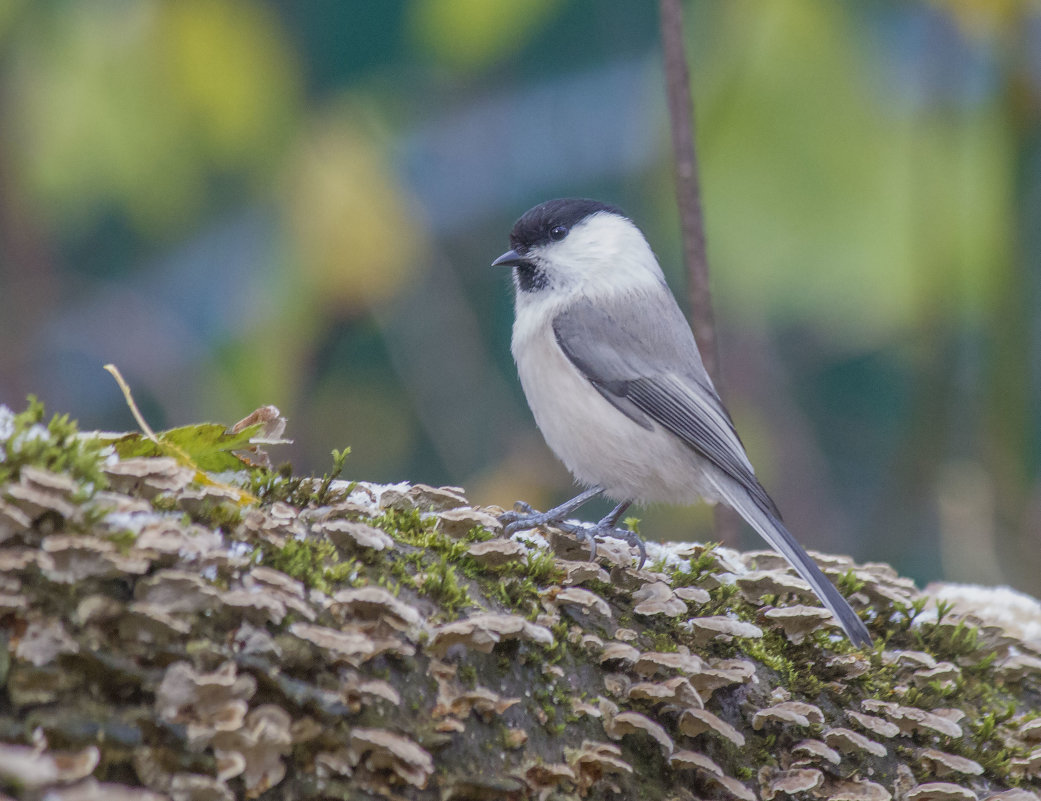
x,y
615,381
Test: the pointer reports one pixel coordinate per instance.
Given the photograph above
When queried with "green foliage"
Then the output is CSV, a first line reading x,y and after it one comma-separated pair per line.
x,y
773,651
469,34
270,486
316,563
339,460
56,446
952,643
987,750
441,582
408,526
541,567
208,446
848,583
703,563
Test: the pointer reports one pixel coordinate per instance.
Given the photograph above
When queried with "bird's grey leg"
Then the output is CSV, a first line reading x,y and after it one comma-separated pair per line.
x,y
606,527
529,518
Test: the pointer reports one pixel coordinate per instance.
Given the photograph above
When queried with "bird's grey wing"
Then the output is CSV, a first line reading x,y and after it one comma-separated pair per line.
x,y
641,356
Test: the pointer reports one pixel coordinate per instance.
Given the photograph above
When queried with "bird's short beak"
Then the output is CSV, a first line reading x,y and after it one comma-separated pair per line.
x,y
511,258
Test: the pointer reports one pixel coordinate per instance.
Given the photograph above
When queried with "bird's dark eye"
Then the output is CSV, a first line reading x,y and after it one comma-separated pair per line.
x,y
558,233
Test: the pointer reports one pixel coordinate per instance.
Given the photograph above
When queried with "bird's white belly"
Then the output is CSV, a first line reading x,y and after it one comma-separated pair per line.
x,y
598,443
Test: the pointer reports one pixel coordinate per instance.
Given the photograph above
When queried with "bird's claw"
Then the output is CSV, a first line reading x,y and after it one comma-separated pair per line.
x,y
589,532
524,517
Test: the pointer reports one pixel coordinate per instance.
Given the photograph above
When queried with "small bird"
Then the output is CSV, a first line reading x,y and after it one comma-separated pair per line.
x,y
615,381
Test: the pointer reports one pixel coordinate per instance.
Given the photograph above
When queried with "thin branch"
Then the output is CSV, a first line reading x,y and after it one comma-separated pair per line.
x,y
688,190
688,199
129,397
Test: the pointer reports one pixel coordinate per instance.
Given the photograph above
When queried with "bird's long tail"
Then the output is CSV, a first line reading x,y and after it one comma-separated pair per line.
x,y
780,539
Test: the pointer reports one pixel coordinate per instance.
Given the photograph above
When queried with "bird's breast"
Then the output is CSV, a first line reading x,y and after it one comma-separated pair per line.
x,y
598,443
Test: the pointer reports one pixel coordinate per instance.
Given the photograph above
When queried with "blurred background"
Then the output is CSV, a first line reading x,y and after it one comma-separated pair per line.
x,y
242,203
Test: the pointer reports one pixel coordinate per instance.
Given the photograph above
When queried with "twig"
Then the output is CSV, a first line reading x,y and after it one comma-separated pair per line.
x,y
688,190
688,199
123,385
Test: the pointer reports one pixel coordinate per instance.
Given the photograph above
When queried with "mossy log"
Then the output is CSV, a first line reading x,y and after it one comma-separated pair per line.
x,y
171,634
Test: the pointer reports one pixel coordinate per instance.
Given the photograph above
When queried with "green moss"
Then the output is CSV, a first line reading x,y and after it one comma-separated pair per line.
x,y
602,588
772,650
322,496
123,540
848,583
699,566
664,641
479,534
398,568
405,526
164,502
726,598
219,514
441,582
541,567
467,675
556,652
270,486
316,563
54,446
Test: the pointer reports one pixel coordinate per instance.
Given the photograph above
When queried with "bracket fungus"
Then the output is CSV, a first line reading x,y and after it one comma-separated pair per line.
x,y
685,759
624,723
351,645
33,767
545,777
943,764
620,652
459,522
255,750
941,791
677,690
800,621
352,535
796,713
422,497
796,781
706,629
873,724
579,571
945,674
39,492
43,641
482,632
693,722
850,742
496,553
657,598
148,476
815,751
374,605
757,583
652,663
593,761
382,750
187,695
582,599
709,772
857,790
911,719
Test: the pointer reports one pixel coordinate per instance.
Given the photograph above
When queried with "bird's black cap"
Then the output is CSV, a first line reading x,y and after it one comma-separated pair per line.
x,y
535,225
